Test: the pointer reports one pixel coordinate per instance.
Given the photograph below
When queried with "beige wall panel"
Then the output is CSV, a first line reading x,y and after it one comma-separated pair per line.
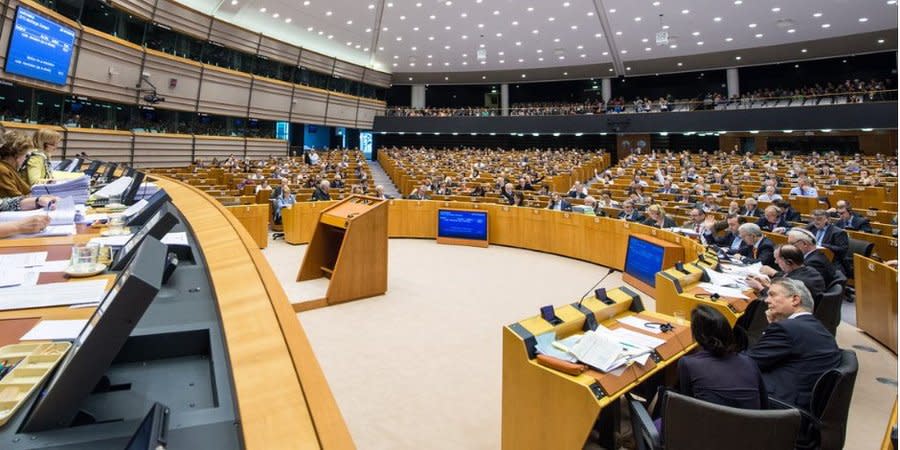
x,y
270,101
187,81
309,106
233,37
207,148
159,150
366,115
316,61
182,19
341,111
377,78
105,145
106,70
142,8
224,93
263,148
277,50
349,71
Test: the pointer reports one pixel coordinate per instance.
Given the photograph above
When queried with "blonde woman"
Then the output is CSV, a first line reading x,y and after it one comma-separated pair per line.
x,y
656,217
37,163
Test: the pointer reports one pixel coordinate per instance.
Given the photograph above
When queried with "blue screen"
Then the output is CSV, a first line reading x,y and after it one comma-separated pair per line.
x,y
39,48
462,224
643,260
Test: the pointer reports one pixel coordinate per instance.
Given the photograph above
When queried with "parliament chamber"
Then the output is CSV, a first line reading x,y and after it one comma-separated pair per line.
x,y
371,225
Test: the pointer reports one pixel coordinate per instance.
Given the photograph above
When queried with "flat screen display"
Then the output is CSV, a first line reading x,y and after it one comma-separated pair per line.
x,y
462,224
39,48
643,260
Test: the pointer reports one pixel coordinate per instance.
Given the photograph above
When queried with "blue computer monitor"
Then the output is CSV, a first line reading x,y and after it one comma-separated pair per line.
x,y
39,48
461,224
643,260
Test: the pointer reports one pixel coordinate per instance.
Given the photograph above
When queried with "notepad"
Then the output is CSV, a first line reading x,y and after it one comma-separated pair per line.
x,y
55,330
53,294
599,351
30,259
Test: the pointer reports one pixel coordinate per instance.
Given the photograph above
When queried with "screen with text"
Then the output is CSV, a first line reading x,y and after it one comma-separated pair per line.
x,y
643,260
39,48
462,224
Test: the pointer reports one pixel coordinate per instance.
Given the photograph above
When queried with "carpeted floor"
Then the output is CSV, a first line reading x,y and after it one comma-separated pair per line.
x,y
420,367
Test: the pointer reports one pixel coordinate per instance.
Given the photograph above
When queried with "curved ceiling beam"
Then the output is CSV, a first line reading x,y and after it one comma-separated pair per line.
x,y
610,37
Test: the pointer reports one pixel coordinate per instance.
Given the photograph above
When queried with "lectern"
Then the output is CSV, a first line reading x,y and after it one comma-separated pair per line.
x,y
349,246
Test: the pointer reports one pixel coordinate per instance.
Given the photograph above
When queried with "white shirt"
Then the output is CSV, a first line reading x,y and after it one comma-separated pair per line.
x,y
799,313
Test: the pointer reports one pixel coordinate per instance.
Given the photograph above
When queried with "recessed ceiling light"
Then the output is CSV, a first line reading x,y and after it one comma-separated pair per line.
x,y
776,9
499,34
556,40
796,66
463,15
234,2
590,13
673,46
395,64
275,16
523,75
430,38
496,12
328,13
612,10
738,2
759,35
521,60
418,4
624,52
645,40
349,22
618,33
396,56
530,8
598,35
867,129
574,27
415,28
580,47
566,4
321,33
699,42
262,10
306,3
288,20
752,25
605,53
309,28
430,56
515,23
368,30
728,39
818,14
717,19
413,48
390,5
696,33
541,58
446,64
665,27
465,63
399,38
655,3
881,41
534,31
402,17
628,68
483,77
637,19
349,43
863,19
465,37
432,17
803,50
551,19
480,25
791,30
565,73
330,36
892,2
647,49
685,11
448,28
680,64
562,57
384,28
540,51
448,3
371,6
446,47
826,25
737,58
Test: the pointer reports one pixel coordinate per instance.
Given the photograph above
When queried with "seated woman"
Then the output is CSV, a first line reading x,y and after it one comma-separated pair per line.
x,y
13,152
717,373
37,167
31,224
656,217
284,200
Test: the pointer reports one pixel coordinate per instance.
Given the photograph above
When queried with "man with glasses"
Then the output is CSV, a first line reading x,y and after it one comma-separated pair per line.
x,y
849,220
829,236
758,248
812,256
629,213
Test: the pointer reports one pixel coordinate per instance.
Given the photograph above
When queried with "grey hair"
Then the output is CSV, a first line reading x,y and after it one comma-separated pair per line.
x,y
751,229
802,234
796,287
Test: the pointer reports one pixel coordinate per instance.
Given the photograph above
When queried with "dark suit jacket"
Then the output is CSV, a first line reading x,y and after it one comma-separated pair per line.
x,y
792,354
566,206
755,213
765,225
835,239
671,191
856,223
765,253
667,222
320,195
732,380
724,242
635,216
811,278
817,260
508,197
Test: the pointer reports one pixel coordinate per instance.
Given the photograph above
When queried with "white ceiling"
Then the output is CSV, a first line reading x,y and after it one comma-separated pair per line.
x,y
445,36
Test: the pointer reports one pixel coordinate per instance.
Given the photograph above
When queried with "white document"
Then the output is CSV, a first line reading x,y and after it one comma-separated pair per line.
x,y
634,338
752,269
725,279
51,230
53,294
599,351
637,322
64,214
12,277
111,241
55,330
545,347
117,187
723,291
53,266
29,259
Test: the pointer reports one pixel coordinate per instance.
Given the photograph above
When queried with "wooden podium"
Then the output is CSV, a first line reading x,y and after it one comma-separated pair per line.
x,y
350,247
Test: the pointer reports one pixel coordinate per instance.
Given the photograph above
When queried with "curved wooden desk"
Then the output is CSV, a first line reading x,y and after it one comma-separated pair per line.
x,y
283,399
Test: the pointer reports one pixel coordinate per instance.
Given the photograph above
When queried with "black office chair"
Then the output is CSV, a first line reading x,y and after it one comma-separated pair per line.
x,y
750,326
825,424
693,424
855,247
828,309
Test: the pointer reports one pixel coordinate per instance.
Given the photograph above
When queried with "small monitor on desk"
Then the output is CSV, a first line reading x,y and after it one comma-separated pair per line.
x,y
101,339
461,224
154,203
643,260
157,227
92,168
137,178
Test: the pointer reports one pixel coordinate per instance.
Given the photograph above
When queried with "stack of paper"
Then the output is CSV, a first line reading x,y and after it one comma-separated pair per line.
x,y
117,187
77,188
53,294
603,349
723,291
62,219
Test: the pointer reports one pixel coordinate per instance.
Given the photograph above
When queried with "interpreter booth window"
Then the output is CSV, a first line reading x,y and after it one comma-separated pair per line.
x,y
271,68
148,119
218,55
259,128
68,8
215,125
83,112
162,38
48,106
312,78
101,16
16,102
344,86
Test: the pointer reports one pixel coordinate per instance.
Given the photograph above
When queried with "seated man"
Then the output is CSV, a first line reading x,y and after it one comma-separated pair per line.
x,y
772,221
630,213
751,208
286,199
758,249
805,241
320,193
849,220
700,225
803,189
829,236
558,204
769,195
796,349
731,241
577,191
790,260
507,195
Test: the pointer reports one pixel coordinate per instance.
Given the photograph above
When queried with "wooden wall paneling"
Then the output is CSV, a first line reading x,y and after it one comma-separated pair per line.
x,y
258,148
223,91
107,145
377,78
366,113
183,19
316,61
277,50
6,32
162,150
233,37
270,99
341,111
164,70
208,147
141,8
309,106
108,68
349,71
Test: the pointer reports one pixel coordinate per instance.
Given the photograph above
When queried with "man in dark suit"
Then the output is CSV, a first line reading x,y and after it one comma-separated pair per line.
x,y
320,193
557,203
772,221
667,188
751,208
796,349
630,213
829,236
812,257
790,260
731,241
759,248
507,195
698,224
849,220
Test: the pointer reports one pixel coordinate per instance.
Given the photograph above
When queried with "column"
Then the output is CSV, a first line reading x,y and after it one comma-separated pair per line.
x,y
504,99
417,97
606,89
734,85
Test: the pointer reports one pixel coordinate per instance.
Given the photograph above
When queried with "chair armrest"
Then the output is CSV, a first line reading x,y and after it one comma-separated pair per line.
x,y
641,418
774,403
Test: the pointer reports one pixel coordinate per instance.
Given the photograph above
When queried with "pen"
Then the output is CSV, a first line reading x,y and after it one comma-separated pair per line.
x,y
50,205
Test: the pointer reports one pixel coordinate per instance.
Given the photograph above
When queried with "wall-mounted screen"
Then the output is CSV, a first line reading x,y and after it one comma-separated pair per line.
x,y
39,48
643,260
460,224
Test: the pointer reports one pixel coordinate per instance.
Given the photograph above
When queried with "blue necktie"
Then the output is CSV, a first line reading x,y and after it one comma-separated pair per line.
x,y
736,243
819,235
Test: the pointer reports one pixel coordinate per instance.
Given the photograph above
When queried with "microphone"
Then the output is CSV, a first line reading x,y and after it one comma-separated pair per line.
x,y
590,322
